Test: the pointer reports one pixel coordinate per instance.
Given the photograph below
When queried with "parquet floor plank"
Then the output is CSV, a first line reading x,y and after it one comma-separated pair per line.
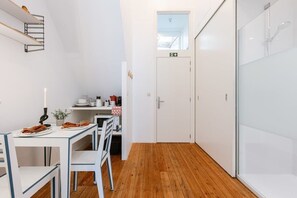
x,y
162,171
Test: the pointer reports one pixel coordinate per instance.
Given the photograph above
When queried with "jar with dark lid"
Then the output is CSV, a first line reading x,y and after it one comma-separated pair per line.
x,y
98,101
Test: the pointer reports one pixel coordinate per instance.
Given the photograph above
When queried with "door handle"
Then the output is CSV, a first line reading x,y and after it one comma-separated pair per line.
x,y
159,102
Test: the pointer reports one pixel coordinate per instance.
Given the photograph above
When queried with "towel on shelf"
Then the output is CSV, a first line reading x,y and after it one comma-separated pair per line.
x,y
116,111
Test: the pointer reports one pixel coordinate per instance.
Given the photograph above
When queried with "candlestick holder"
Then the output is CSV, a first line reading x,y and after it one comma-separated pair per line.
x,y
44,117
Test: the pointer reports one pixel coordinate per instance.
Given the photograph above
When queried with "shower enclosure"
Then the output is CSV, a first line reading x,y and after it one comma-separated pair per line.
x,y
267,96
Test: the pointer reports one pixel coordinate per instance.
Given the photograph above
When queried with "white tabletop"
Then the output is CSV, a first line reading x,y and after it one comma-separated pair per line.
x,y
63,139
58,132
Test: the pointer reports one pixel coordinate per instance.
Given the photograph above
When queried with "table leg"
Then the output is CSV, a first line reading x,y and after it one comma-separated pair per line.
x,y
65,163
50,156
44,156
47,157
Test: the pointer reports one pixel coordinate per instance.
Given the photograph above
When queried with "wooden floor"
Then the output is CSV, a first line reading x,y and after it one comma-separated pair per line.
x,y
162,170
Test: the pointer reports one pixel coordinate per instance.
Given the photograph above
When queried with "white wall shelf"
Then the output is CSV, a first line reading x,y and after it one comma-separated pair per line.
x,y
17,35
33,36
91,108
14,10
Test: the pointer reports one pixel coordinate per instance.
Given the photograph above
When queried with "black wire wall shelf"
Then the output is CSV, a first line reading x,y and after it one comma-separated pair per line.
x,y
35,31
33,35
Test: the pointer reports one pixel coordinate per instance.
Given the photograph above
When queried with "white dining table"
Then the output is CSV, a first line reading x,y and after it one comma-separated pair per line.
x,y
63,139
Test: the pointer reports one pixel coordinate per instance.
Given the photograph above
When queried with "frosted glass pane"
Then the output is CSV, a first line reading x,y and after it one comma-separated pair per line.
x,y
268,96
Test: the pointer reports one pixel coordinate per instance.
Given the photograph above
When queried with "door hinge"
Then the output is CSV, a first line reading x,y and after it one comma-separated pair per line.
x,y
190,69
190,99
198,98
190,136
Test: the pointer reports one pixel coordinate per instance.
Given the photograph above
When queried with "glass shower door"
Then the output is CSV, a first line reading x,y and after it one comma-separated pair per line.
x,y
267,69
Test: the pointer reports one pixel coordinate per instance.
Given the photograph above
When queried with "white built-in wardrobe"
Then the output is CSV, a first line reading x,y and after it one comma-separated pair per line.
x,y
215,87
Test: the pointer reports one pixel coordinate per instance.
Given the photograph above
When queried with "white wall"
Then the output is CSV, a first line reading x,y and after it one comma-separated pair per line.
x,y
127,86
24,75
102,38
143,64
204,9
141,39
127,82
92,36
141,48
127,110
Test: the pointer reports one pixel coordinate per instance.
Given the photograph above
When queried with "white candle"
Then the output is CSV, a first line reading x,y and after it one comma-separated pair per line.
x,y
44,97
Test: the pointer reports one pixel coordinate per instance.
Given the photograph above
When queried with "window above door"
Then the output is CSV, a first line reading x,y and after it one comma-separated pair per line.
x,y
173,31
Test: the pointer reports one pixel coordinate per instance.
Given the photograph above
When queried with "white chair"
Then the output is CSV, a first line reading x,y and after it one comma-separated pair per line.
x,y
23,182
93,160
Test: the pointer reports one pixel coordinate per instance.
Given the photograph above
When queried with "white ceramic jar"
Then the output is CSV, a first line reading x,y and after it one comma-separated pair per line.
x,y
98,101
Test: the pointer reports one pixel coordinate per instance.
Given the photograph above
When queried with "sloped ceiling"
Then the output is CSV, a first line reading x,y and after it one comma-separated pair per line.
x,y
65,16
91,32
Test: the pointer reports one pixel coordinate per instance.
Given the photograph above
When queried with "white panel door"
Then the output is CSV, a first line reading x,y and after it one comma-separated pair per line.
x,y
215,87
173,100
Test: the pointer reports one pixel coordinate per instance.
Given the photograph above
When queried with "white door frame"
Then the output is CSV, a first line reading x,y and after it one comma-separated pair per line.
x,y
182,54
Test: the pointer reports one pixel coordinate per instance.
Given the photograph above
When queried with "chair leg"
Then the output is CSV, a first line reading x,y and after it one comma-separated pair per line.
x,y
75,176
99,182
55,187
58,183
94,179
110,173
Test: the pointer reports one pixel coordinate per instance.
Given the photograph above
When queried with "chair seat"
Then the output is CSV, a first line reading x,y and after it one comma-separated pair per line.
x,y
30,176
85,157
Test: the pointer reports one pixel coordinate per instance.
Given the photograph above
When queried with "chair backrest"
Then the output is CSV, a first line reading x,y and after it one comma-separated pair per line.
x,y
105,140
8,160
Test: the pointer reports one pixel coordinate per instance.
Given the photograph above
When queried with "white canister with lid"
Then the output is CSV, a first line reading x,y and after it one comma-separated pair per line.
x,y
98,101
112,103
